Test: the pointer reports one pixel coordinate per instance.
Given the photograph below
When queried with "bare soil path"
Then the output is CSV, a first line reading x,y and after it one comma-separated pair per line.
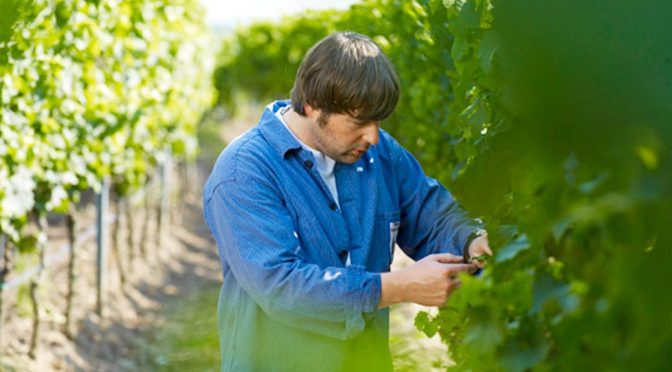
x,y
185,262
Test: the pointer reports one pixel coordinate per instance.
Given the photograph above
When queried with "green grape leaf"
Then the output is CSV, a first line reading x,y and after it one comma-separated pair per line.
x,y
512,249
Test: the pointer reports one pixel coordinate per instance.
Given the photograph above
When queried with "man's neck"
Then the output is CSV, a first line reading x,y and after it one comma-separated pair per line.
x,y
300,126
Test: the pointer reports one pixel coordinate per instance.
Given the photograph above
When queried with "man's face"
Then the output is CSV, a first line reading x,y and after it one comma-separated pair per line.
x,y
342,137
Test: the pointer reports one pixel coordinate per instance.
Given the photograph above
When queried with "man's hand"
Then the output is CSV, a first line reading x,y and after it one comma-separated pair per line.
x,y
478,248
428,282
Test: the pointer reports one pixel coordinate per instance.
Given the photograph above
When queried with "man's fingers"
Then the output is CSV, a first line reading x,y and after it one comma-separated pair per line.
x,y
482,246
453,269
485,249
479,264
453,286
447,258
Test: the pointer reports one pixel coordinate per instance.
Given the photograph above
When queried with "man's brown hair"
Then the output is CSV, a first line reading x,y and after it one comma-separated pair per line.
x,y
347,73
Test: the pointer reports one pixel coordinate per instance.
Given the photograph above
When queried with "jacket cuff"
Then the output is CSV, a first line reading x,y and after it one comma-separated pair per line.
x,y
363,297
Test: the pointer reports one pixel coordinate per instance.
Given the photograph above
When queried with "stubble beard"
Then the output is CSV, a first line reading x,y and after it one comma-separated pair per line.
x,y
326,145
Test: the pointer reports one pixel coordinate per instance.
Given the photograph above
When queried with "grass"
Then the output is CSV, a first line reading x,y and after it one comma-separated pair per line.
x,y
188,340
411,349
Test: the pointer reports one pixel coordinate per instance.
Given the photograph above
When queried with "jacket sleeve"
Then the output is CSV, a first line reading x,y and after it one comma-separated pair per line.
x,y
255,236
431,219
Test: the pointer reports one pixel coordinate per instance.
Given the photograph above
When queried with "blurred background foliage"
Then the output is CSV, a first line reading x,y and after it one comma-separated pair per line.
x,y
92,89
552,122
12,10
89,90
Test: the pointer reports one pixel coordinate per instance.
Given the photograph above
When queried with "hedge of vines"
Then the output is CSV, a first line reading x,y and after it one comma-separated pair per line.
x,y
552,122
95,88
91,89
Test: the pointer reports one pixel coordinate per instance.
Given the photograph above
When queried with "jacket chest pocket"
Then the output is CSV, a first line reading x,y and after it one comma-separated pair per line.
x,y
388,230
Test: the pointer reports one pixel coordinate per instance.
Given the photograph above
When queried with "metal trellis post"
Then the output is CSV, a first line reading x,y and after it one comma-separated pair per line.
x,y
102,207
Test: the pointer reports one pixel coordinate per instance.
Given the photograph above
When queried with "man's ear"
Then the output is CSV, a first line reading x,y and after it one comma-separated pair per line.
x,y
311,112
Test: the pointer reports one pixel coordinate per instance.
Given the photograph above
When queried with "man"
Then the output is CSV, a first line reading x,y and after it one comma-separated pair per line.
x,y
306,209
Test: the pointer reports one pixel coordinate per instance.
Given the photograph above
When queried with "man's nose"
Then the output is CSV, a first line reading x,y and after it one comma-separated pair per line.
x,y
371,135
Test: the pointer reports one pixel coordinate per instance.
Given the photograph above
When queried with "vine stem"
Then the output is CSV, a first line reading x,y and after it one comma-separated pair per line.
x,y
116,246
144,232
130,233
159,226
42,227
7,266
71,225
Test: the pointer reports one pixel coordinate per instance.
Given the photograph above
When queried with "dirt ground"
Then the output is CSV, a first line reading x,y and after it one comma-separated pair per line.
x,y
185,261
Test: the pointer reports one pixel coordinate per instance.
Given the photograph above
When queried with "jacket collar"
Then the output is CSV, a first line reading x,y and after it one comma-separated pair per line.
x,y
275,132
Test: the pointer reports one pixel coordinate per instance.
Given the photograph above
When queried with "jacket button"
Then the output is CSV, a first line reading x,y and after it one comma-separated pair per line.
x,y
333,206
308,164
343,255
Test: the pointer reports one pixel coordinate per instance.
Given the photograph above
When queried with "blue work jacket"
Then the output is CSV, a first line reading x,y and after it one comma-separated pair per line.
x,y
301,273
